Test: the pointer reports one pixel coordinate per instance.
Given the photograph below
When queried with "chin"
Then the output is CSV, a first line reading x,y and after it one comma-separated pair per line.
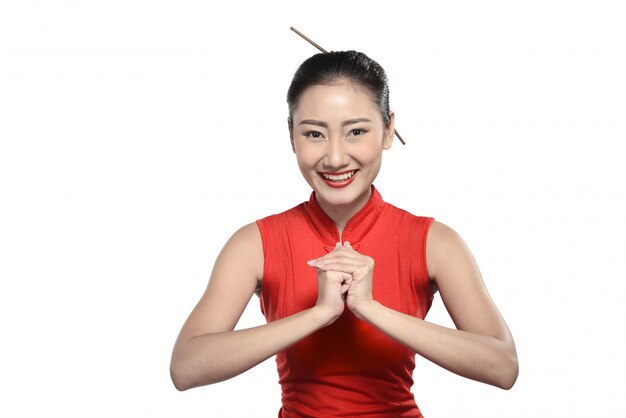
x,y
352,194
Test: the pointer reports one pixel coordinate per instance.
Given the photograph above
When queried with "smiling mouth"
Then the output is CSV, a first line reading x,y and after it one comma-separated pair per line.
x,y
339,177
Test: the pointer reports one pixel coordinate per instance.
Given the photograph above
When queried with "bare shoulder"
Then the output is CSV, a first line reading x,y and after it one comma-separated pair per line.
x,y
440,231
247,237
245,247
443,245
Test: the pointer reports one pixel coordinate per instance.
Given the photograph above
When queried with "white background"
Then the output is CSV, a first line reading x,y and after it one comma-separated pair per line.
x,y
137,136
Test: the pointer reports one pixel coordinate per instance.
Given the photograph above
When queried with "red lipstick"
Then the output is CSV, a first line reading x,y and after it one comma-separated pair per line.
x,y
338,183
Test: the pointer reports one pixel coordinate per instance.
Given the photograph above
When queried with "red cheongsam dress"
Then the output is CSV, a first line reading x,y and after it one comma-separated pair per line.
x,y
349,368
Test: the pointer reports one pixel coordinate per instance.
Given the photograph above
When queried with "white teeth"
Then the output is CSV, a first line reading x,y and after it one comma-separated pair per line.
x,y
339,177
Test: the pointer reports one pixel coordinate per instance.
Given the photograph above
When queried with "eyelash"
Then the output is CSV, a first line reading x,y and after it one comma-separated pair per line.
x,y
309,134
361,130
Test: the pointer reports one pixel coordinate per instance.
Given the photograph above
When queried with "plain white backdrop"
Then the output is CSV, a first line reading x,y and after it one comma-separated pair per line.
x,y
137,136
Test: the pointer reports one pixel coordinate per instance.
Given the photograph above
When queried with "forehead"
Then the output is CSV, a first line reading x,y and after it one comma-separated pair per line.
x,y
335,101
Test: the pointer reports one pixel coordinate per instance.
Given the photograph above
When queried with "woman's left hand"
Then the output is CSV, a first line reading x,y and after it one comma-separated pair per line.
x,y
343,258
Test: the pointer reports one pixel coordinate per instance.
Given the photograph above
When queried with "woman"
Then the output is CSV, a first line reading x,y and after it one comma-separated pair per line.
x,y
345,279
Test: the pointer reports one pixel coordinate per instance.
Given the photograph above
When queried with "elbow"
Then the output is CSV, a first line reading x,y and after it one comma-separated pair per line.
x,y
180,385
508,373
185,376
508,381
181,380
181,370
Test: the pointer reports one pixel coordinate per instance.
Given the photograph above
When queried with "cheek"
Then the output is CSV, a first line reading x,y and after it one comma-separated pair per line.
x,y
306,155
305,164
370,155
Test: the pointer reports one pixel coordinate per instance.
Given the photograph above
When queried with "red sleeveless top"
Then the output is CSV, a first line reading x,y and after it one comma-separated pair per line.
x,y
350,367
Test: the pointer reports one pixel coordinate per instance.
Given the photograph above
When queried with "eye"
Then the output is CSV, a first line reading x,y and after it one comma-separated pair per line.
x,y
314,135
357,131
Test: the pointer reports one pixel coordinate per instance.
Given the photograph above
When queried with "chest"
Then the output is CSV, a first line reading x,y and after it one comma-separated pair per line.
x,y
290,284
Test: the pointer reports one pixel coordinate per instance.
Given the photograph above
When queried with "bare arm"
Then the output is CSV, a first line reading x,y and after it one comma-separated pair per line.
x,y
481,348
208,350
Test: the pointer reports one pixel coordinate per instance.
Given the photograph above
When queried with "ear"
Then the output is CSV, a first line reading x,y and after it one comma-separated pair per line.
x,y
290,126
389,131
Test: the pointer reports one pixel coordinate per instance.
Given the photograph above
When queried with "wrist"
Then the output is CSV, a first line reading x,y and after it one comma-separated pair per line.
x,y
323,315
365,309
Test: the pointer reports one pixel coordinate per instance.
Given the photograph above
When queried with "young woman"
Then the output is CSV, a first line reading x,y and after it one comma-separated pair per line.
x,y
345,279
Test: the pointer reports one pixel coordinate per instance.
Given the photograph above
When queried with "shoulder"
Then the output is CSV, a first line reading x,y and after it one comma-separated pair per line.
x,y
405,217
247,235
295,211
440,233
279,223
246,246
252,240
444,245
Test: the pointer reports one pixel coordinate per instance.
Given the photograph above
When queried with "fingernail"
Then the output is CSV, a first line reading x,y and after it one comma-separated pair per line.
x,y
311,262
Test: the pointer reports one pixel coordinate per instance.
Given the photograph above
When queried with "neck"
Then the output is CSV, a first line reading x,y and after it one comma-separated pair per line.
x,y
341,214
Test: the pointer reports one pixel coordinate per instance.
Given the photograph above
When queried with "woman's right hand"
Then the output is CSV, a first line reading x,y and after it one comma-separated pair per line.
x,y
331,291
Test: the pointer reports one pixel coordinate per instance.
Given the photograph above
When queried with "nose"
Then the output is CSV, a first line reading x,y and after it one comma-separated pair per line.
x,y
336,155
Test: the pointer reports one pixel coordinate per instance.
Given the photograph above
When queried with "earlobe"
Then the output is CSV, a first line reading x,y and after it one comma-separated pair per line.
x,y
389,132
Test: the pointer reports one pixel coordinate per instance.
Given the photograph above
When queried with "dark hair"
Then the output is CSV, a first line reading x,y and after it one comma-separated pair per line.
x,y
335,66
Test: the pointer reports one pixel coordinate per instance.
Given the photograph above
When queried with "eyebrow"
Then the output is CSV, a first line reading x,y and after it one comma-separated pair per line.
x,y
325,125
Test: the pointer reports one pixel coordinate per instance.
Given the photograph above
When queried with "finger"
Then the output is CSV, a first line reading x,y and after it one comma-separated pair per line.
x,y
335,276
346,285
341,256
340,259
340,267
314,261
339,252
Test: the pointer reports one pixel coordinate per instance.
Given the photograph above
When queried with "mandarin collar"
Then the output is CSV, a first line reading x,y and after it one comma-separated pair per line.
x,y
355,230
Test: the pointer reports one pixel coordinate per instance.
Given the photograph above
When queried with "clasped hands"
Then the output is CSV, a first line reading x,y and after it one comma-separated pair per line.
x,y
343,277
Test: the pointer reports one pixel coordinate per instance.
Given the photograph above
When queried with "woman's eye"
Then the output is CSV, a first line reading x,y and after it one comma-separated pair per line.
x,y
314,134
357,131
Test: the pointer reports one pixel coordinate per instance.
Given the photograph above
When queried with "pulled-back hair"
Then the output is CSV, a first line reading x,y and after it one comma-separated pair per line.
x,y
334,67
